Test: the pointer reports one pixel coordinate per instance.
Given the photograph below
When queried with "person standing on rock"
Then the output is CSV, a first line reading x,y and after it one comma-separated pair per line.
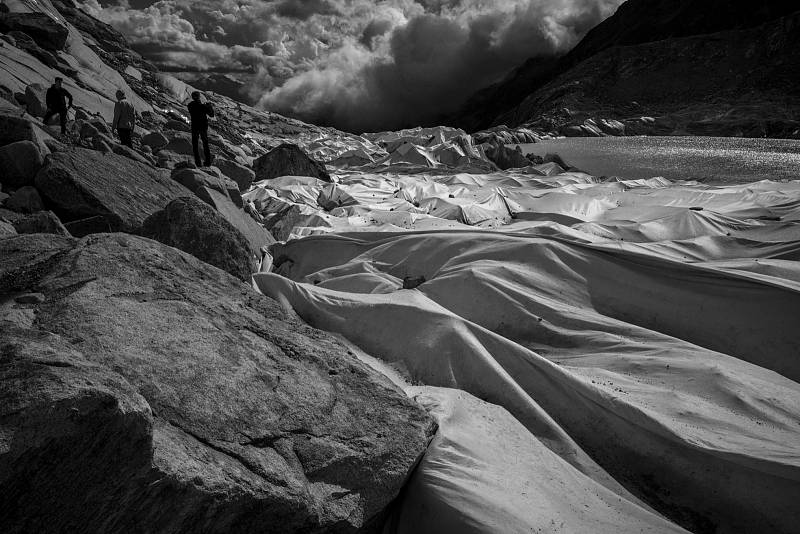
x,y
56,100
124,119
199,113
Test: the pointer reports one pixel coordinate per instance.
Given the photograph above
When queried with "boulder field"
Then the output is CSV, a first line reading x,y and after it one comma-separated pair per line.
x,y
109,189
81,184
142,390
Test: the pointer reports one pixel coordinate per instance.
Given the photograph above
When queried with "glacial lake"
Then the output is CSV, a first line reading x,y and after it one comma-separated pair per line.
x,y
713,160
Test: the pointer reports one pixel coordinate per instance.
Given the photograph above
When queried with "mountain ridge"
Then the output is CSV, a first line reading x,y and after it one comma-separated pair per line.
x,y
635,23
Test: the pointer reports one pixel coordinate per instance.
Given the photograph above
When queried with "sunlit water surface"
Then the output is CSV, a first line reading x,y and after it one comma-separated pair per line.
x,y
706,159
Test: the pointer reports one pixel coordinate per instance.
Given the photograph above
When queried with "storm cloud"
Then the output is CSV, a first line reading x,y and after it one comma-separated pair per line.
x,y
355,64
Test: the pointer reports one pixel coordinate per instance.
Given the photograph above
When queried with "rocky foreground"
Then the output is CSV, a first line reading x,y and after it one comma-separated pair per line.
x,y
143,390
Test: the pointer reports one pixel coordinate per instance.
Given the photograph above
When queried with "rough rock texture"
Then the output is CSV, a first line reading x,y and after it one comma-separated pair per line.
x,y
256,235
238,173
184,164
288,160
35,101
189,224
180,144
14,127
194,179
154,393
100,143
6,229
80,183
6,93
53,145
101,126
177,125
42,222
20,162
48,33
28,44
87,131
25,200
107,38
155,140
128,152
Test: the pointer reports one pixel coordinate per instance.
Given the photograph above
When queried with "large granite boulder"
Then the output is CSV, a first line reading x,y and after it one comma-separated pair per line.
x,y
189,224
240,174
257,236
288,160
155,393
81,184
20,161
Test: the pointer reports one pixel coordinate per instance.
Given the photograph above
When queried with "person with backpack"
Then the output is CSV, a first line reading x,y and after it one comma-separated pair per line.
x,y
56,100
199,113
124,119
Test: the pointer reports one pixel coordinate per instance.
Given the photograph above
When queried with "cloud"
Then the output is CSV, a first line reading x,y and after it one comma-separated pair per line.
x,y
304,9
355,64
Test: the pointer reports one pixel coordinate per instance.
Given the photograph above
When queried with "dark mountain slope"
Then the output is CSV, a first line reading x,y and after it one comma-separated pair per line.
x,y
645,21
737,83
635,22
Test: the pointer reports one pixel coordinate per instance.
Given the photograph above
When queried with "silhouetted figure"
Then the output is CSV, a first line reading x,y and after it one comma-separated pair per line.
x,y
56,100
199,113
124,119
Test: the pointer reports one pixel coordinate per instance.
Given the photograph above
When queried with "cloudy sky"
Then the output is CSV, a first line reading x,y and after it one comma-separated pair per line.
x,y
355,64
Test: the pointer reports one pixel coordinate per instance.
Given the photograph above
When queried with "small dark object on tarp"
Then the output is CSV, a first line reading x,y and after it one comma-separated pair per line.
x,y
412,282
